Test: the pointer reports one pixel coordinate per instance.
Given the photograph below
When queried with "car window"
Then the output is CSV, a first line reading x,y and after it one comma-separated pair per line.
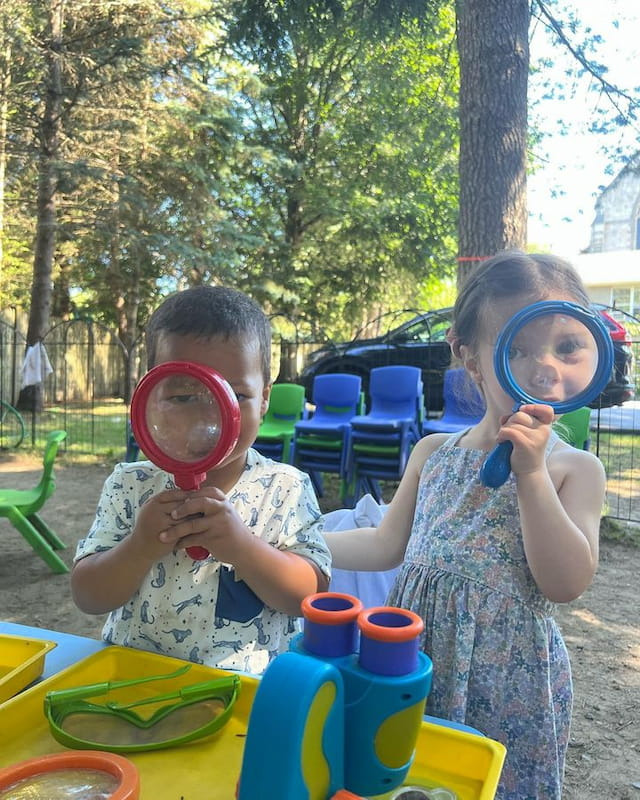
x,y
439,328
418,331
430,328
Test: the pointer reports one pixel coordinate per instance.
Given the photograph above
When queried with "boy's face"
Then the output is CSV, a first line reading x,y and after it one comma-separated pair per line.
x,y
240,364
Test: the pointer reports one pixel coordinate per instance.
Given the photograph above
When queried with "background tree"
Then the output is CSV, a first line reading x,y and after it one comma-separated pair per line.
x,y
305,151
493,43
352,126
69,51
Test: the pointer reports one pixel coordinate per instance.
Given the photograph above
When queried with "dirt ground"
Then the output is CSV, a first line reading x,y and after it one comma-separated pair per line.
x,y
602,628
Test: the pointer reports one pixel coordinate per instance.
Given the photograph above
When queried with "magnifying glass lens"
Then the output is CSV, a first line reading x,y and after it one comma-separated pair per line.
x,y
63,783
183,418
553,358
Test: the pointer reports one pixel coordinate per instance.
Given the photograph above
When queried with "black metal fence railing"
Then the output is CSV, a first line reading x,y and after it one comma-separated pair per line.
x,y
87,395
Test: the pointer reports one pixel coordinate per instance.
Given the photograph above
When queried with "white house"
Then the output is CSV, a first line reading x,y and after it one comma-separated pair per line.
x,y
610,266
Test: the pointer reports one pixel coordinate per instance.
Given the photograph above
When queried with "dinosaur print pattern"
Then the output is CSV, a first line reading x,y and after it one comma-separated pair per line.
x,y
176,610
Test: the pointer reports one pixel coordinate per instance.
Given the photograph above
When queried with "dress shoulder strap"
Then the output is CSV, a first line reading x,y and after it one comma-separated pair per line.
x,y
453,439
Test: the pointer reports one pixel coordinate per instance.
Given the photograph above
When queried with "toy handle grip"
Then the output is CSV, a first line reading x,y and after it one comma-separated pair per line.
x,y
497,465
197,553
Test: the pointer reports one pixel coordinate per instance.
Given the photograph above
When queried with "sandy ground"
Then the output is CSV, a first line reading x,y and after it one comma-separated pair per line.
x,y
602,629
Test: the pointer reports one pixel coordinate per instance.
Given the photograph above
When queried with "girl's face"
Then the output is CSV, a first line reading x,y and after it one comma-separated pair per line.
x,y
552,358
195,414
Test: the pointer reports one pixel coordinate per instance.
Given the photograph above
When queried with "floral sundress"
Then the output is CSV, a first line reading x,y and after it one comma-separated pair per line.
x,y
499,662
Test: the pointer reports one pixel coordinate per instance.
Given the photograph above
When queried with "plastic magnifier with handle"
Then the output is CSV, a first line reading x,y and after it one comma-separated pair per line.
x,y
553,352
186,419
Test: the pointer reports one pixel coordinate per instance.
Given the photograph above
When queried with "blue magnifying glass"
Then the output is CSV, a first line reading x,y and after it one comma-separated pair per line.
x,y
553,352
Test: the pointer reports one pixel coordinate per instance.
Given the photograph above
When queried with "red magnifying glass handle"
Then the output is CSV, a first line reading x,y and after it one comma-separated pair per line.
x,y
197,553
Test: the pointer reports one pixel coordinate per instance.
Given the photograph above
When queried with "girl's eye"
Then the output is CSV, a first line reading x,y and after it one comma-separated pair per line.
x,y
568,347
515,352
241,397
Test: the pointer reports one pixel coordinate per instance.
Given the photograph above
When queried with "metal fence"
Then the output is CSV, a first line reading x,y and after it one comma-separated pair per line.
x,y
87,395
93,377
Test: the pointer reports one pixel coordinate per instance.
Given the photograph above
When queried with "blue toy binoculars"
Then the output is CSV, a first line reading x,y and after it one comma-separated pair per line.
x,y
340,713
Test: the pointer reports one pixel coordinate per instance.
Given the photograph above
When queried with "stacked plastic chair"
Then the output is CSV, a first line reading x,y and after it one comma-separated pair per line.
x,y
382,439
463,404
574,428
321,443
286,407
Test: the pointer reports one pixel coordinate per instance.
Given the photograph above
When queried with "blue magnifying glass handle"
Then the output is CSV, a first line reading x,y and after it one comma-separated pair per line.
x,y
497,465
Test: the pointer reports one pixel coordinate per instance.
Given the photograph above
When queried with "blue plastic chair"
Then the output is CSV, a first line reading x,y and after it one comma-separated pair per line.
x,y
321,443
463,404
381,441
396,402
133,448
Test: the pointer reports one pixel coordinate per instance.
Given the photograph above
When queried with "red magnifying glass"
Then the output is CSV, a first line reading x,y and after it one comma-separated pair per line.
x,y
186,419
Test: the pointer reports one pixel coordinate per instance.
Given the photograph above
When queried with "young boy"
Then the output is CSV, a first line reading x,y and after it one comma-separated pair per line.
x,y
259,519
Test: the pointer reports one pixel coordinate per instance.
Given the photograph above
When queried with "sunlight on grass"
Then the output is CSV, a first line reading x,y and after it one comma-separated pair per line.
x,y
620,455
94,431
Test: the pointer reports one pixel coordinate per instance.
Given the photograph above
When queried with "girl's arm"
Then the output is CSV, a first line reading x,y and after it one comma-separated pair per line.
x,y
383,547
281,579
560,501
560,509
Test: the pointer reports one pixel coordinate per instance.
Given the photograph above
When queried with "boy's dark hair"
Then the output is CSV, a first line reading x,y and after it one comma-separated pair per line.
x,y
511,275
208,311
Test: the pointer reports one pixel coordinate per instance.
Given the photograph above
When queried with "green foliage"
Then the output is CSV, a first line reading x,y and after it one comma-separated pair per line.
x,y
303,151
354,188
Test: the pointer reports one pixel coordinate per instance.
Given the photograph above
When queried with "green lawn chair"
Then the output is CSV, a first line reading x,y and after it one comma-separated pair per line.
x,y
573,427
286,407
21,507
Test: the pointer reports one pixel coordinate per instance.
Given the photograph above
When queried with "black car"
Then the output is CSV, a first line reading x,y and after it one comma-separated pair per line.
x,y
422,342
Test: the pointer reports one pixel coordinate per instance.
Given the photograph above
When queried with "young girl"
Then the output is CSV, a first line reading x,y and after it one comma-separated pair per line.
x,y
484,566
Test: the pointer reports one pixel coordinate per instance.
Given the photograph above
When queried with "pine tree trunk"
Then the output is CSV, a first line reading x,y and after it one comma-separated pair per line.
x,y
49,144
494,64
5,83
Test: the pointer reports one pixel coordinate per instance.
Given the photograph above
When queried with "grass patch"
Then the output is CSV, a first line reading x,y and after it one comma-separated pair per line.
x,y
620,455
615,530
97,430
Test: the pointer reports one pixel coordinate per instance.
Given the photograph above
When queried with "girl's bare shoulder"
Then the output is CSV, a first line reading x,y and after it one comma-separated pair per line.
x,y
428,445
568,459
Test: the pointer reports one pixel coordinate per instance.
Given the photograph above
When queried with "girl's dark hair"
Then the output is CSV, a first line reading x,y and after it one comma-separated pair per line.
x,y
209,311
508,276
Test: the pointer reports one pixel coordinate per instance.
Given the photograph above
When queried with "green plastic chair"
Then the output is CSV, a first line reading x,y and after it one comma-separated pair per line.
x,y
21,506
286,407
573,428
